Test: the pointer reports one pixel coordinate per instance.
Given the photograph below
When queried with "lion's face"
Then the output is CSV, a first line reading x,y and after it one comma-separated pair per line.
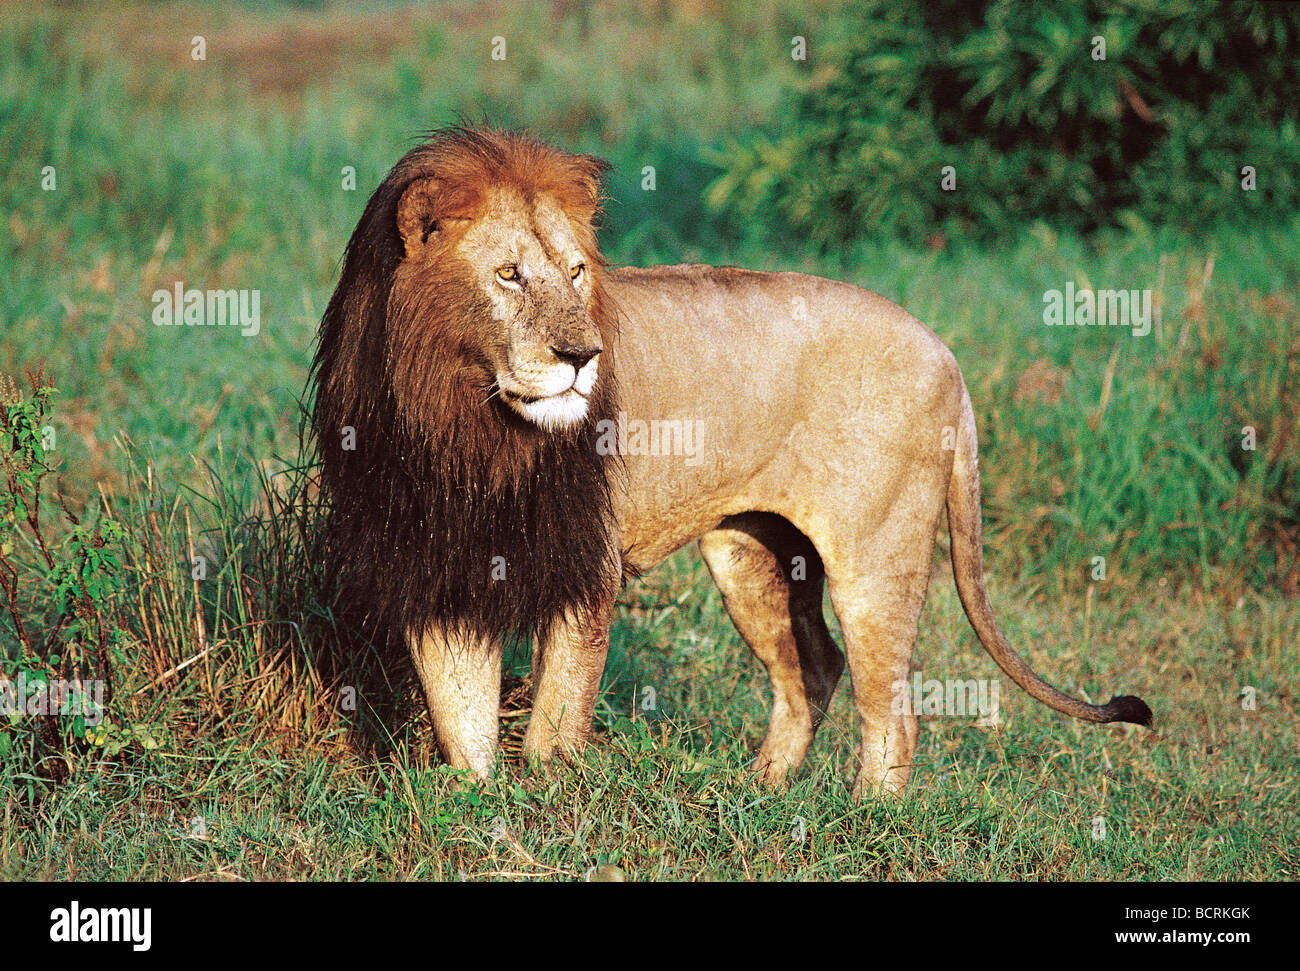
x,y
503,272
543,347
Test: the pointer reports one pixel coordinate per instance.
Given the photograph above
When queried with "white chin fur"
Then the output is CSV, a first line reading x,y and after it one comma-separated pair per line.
x,y
586,378
554,413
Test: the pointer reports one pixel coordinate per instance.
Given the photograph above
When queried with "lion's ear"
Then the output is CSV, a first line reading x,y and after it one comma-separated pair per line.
x,y
417,215
590,180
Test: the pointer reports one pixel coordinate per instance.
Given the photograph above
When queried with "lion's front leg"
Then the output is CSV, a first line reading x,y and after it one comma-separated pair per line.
x,y
567,666
461,676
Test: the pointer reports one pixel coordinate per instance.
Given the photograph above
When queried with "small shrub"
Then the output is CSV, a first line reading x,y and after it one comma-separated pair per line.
x,y
59,582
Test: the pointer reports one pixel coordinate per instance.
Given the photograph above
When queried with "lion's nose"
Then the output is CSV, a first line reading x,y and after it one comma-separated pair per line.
x,y
576,354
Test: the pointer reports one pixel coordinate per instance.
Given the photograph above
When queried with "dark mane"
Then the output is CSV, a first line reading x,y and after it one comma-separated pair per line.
x,y
443,477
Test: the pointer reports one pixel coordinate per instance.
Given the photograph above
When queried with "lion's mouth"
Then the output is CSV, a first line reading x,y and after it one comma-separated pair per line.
x,y
529,399
529,395
551,412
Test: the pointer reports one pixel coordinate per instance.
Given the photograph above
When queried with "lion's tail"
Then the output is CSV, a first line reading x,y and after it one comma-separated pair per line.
x,y
968,569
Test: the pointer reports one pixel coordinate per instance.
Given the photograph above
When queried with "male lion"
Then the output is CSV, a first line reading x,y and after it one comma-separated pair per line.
x,y
472,364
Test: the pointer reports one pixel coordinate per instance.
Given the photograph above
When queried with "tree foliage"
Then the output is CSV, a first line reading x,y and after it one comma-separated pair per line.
x,y
1014,96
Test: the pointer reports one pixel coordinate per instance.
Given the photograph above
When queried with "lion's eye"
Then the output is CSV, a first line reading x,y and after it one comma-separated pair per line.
x,y
577,271
509,274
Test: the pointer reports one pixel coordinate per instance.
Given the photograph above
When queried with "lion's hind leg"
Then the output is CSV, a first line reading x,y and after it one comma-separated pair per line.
x,y
877,590
771,580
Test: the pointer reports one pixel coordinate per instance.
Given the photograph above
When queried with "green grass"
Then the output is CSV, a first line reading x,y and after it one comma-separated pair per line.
x,y
1094,443
1210,797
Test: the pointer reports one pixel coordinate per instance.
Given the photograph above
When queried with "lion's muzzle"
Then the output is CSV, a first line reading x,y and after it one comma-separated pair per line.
x,y
552,394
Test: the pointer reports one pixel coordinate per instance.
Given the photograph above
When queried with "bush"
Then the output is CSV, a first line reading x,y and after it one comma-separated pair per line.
x,y
1009,94
57,592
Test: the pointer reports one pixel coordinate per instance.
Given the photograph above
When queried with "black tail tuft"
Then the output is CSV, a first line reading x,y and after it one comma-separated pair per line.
x,y
1126,708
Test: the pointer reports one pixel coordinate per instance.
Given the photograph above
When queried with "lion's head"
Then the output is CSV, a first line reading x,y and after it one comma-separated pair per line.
x,y
463,365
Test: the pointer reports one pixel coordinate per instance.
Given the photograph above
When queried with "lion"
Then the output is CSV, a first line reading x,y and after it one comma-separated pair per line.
x,y
484,383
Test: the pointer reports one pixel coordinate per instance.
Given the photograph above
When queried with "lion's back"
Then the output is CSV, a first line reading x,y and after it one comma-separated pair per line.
x,y
728,314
